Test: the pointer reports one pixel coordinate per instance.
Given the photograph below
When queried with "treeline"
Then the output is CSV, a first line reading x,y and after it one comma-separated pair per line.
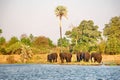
x,y
40,44
84,37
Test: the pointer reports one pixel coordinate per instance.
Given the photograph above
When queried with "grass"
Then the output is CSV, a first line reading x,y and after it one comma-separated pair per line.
x,y
42,59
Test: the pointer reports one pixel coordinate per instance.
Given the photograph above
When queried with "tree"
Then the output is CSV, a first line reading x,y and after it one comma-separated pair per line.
x,y
0,31
43,44
102,46
12,40
31,37
65,42
75,35
26,41
42,41
2,45
112,33
2,41
84,36
60,12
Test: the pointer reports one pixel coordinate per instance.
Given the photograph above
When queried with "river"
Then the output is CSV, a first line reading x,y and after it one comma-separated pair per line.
x,y
58,72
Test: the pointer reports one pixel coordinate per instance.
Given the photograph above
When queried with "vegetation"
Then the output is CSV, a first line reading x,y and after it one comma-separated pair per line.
x,y
112,33
85,37
60,12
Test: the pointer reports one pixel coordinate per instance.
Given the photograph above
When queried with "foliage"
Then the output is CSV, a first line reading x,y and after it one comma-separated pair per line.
x,y
19,48
26,41
65,42
2,45
50,43
61,11
41,41
26,53
102,46
75,34
0,31
12,41
112,33
31,37
10,59
2,40
2,50
14,48
84,36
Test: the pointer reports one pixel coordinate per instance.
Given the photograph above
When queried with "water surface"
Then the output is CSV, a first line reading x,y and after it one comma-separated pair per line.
x,y
58,72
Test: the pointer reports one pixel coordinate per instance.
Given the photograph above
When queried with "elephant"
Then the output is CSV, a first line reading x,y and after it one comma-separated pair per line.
x,y
65,56
83,56
86,57
52,57
79,56
97,57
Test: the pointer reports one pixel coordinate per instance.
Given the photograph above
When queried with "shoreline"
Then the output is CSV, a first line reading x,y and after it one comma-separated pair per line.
x,y
81,64
109,60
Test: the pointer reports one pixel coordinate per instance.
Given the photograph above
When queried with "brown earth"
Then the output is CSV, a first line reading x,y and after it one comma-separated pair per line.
x,y
42,59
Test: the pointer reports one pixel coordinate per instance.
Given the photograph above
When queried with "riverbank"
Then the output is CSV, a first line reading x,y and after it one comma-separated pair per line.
x,y
42,59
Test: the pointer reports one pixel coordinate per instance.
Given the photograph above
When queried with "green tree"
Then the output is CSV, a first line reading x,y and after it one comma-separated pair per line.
x,y
50,43
85,35
31,37
112,33
0,31
2,45
2,40
60,12
26,41
12,40
65,42
102,46
75,35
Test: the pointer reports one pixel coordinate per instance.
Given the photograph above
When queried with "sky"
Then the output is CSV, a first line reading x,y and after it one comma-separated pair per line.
x,y
37,17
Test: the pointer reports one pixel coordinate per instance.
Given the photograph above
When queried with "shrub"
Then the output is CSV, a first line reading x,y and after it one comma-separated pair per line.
x,y
10,59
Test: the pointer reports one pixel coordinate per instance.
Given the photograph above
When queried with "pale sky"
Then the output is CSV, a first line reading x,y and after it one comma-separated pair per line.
x,y
37,17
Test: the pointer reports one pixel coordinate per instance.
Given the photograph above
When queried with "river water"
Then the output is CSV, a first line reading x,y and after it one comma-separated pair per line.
x,y
58,72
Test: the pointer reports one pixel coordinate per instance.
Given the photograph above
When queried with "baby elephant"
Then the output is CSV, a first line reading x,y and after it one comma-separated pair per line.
x,y
52,57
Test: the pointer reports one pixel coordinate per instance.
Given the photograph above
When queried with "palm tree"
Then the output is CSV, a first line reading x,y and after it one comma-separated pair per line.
x,y
60,12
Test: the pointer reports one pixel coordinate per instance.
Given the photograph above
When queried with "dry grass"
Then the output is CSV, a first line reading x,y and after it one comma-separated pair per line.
x,y
111,59
42,59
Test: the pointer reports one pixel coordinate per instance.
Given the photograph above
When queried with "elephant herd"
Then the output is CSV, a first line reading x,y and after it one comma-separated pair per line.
x,y
81,56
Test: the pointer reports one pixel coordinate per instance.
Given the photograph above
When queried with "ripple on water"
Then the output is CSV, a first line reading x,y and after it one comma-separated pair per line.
x,y
58,72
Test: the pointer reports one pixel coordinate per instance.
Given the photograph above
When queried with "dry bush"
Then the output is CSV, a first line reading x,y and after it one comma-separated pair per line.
x,y
10,59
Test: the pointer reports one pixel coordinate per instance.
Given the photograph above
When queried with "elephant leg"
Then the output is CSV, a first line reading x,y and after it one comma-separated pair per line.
x,y
95,60
77,59
50,60
55,60
62,60
66,59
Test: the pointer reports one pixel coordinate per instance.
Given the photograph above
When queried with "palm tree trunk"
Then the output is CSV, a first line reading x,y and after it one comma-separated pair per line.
x,y
60,35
